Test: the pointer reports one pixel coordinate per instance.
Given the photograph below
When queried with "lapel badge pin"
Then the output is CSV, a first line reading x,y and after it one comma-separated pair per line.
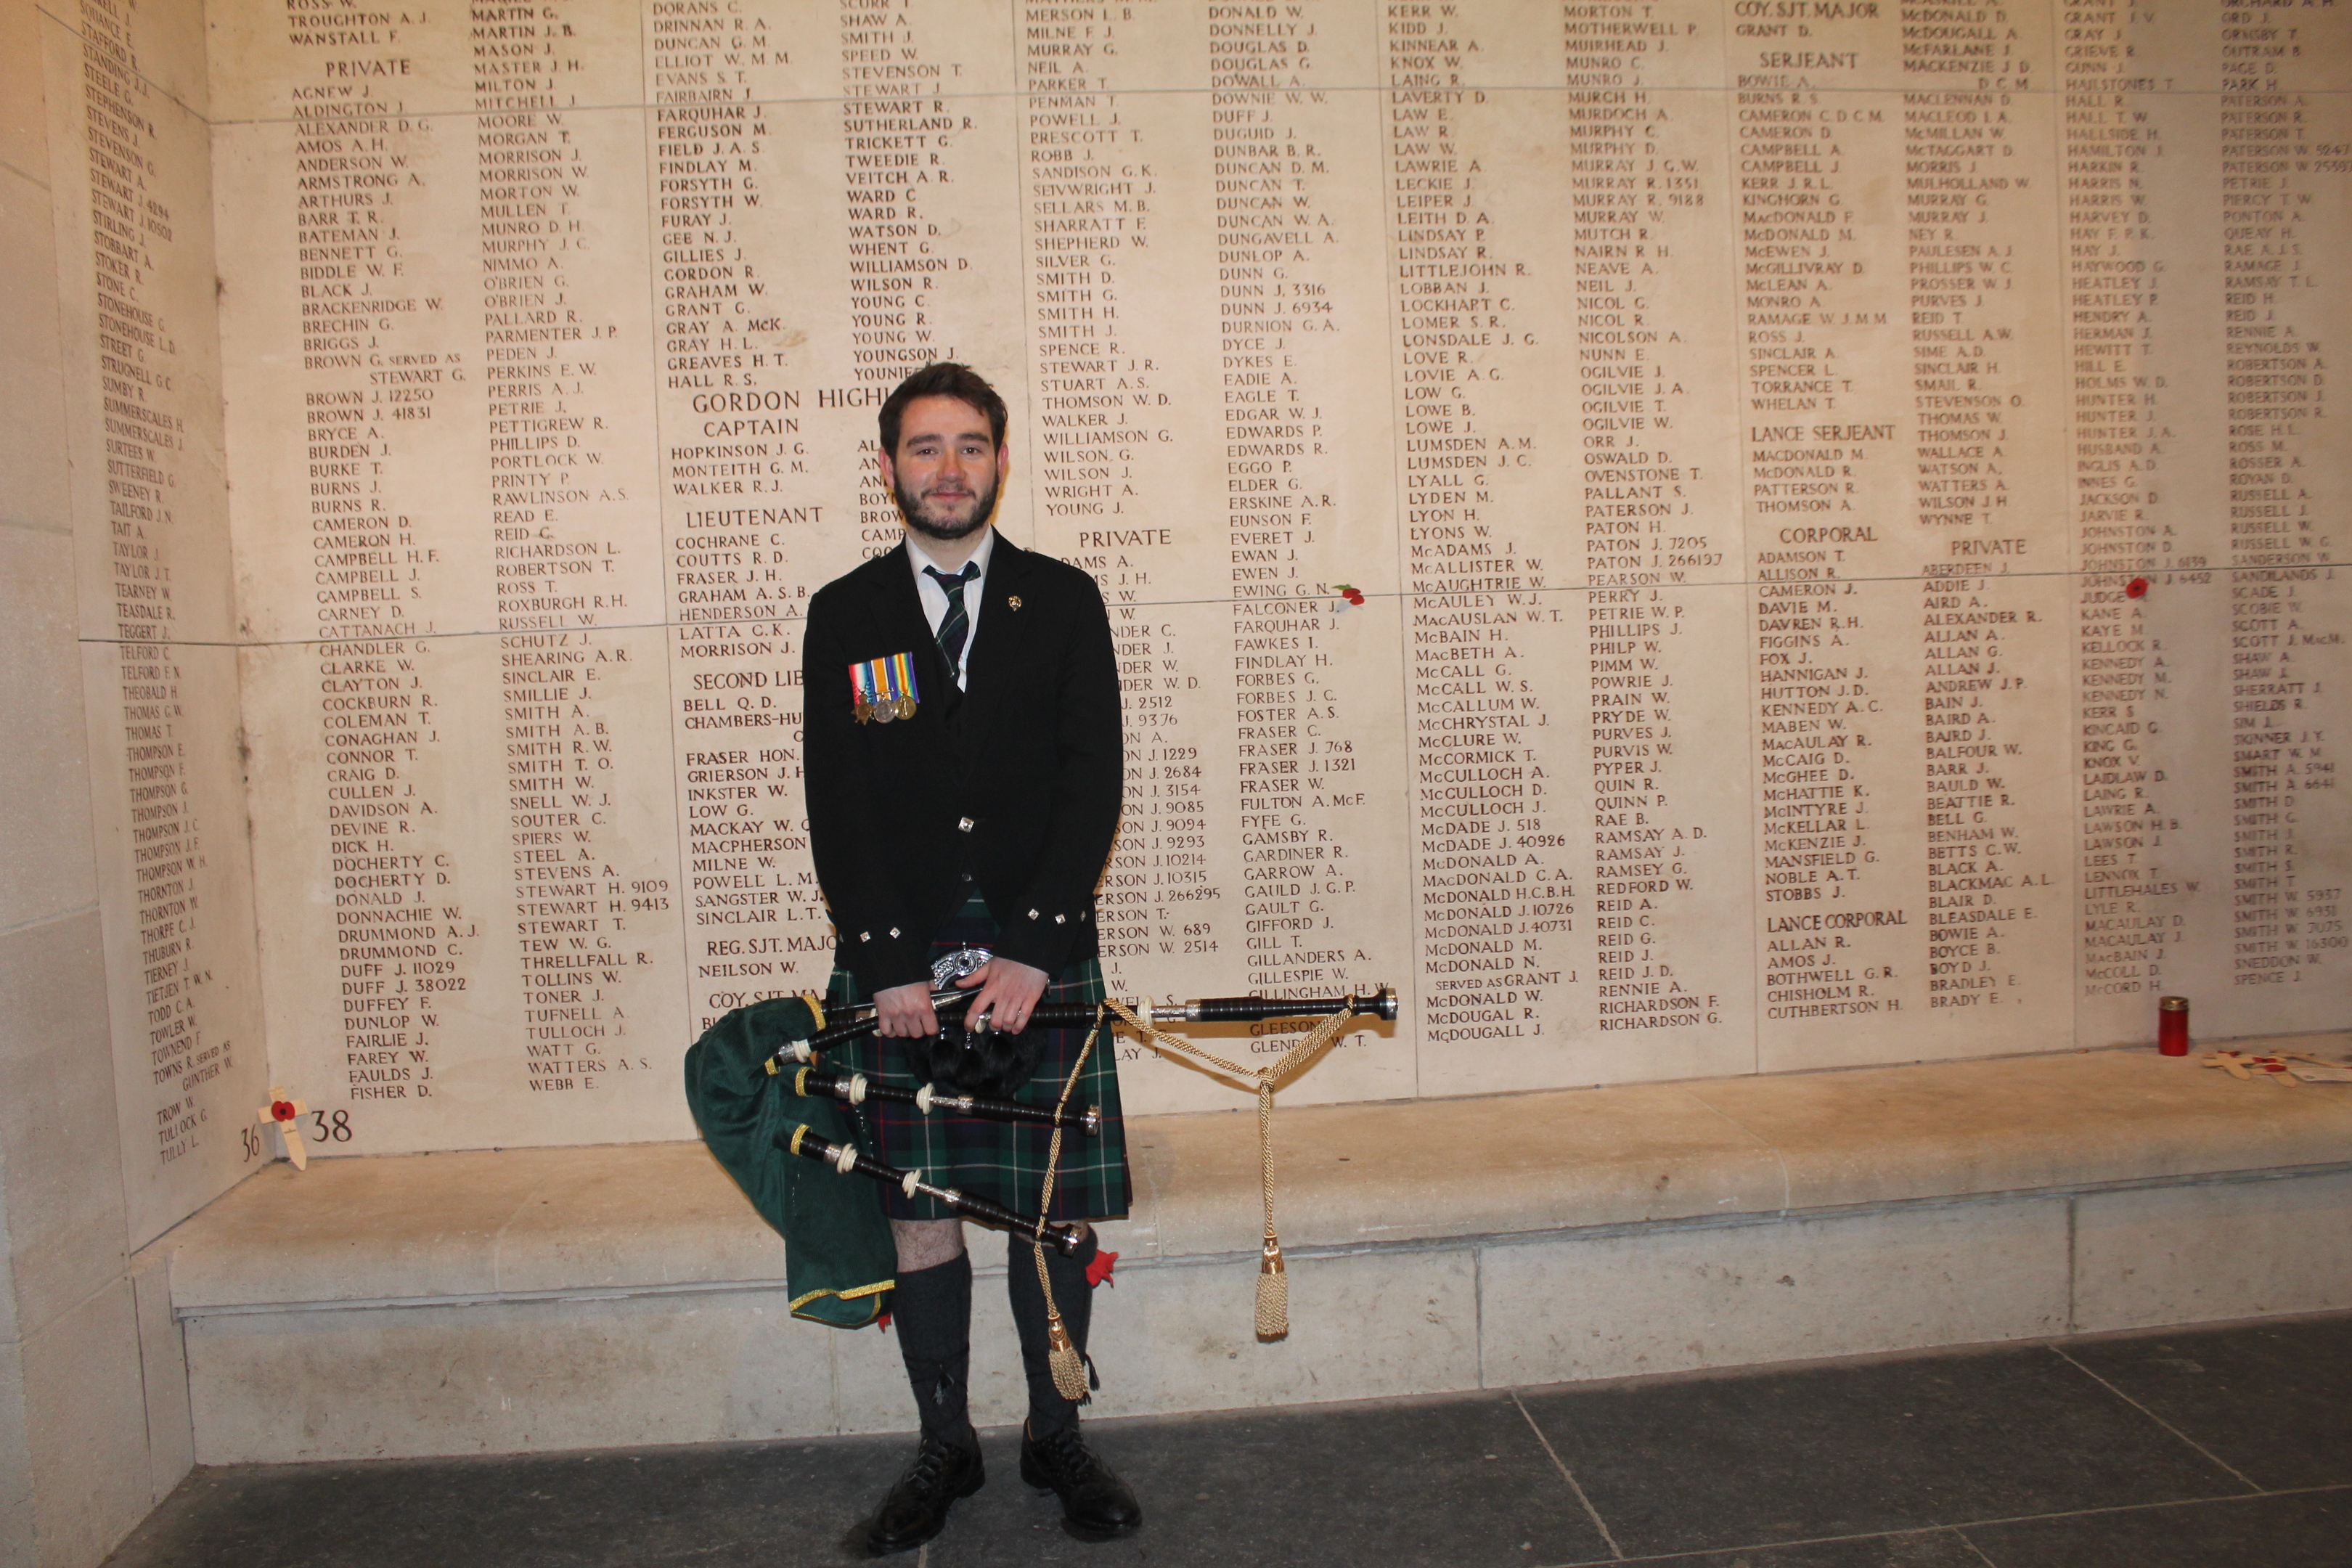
x,y
881,690
1014,602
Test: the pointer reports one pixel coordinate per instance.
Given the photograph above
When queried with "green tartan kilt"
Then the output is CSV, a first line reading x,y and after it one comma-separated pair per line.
x,y
1004,1161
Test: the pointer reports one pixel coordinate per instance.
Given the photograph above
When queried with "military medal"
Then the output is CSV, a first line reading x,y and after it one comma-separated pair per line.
x,y
881,690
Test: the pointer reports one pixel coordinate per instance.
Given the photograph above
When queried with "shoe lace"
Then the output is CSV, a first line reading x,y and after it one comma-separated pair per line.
x,y
1066,1453
932,1458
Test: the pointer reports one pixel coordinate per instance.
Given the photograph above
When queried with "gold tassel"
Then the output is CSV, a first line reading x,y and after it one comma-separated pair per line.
x,y
1272,1294
1062,1356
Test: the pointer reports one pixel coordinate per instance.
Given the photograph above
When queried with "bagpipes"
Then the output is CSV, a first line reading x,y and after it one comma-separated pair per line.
x,y
860,1021
1332,1014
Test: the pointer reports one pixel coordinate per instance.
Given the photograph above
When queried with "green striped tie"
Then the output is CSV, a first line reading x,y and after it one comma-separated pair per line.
x,y
955,626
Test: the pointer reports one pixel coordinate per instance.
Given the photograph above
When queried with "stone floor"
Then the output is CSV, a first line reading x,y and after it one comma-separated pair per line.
x,y
2218,1446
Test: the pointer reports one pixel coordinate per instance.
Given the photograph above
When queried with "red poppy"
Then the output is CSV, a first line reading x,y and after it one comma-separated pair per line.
x,y
2135,589
282,1109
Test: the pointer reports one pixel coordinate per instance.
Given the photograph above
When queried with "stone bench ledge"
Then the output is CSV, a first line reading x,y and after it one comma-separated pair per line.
x,y
1653,1153
625,1217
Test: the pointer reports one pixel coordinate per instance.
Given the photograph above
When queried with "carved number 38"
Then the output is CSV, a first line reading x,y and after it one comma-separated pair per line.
x,y
323,1129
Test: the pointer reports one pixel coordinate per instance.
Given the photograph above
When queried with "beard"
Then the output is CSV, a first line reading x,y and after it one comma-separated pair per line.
x,y
931,525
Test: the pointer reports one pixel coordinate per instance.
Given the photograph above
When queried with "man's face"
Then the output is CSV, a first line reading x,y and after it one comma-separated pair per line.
x,y
946,469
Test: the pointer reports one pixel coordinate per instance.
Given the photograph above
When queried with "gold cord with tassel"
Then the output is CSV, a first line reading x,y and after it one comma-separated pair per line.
x,y
1273,1280
1061,1353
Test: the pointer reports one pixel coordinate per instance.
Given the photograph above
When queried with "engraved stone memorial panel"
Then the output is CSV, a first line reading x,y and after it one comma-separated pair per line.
x,y
1692,538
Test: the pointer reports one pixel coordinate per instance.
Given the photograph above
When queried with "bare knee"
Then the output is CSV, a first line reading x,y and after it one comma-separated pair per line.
x,y
927,1243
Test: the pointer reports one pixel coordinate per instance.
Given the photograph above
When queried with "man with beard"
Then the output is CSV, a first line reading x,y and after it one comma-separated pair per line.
x,y
963,756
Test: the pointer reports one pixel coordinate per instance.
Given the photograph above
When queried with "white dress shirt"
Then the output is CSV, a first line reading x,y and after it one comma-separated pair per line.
x,y
935,598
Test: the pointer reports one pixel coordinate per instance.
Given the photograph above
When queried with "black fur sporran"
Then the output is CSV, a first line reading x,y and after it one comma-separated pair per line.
x,y
960,1060
989,1063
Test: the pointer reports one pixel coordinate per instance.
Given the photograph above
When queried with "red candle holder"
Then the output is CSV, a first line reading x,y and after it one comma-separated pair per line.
x,y
2172,1026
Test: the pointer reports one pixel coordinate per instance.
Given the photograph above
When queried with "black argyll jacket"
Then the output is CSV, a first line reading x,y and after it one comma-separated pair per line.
x,y
1015,781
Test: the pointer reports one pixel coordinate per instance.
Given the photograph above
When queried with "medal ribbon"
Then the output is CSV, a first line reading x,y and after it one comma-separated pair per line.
x,y
884,687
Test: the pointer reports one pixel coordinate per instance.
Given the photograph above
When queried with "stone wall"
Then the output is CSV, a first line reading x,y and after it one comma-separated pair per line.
x,y
1704,542
127,978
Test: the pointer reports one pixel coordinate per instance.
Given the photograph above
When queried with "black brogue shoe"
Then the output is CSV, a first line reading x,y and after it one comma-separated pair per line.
x,y
1096,1504
917,1508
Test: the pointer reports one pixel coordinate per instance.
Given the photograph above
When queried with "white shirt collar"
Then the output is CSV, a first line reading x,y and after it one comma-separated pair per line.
x,y
933,596
918,558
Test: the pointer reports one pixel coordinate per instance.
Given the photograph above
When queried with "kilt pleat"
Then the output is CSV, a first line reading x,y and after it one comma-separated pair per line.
x,y
1004,1161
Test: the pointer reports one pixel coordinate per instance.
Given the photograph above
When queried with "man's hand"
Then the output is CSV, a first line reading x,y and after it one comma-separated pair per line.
x,y
904,1012
1009,993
